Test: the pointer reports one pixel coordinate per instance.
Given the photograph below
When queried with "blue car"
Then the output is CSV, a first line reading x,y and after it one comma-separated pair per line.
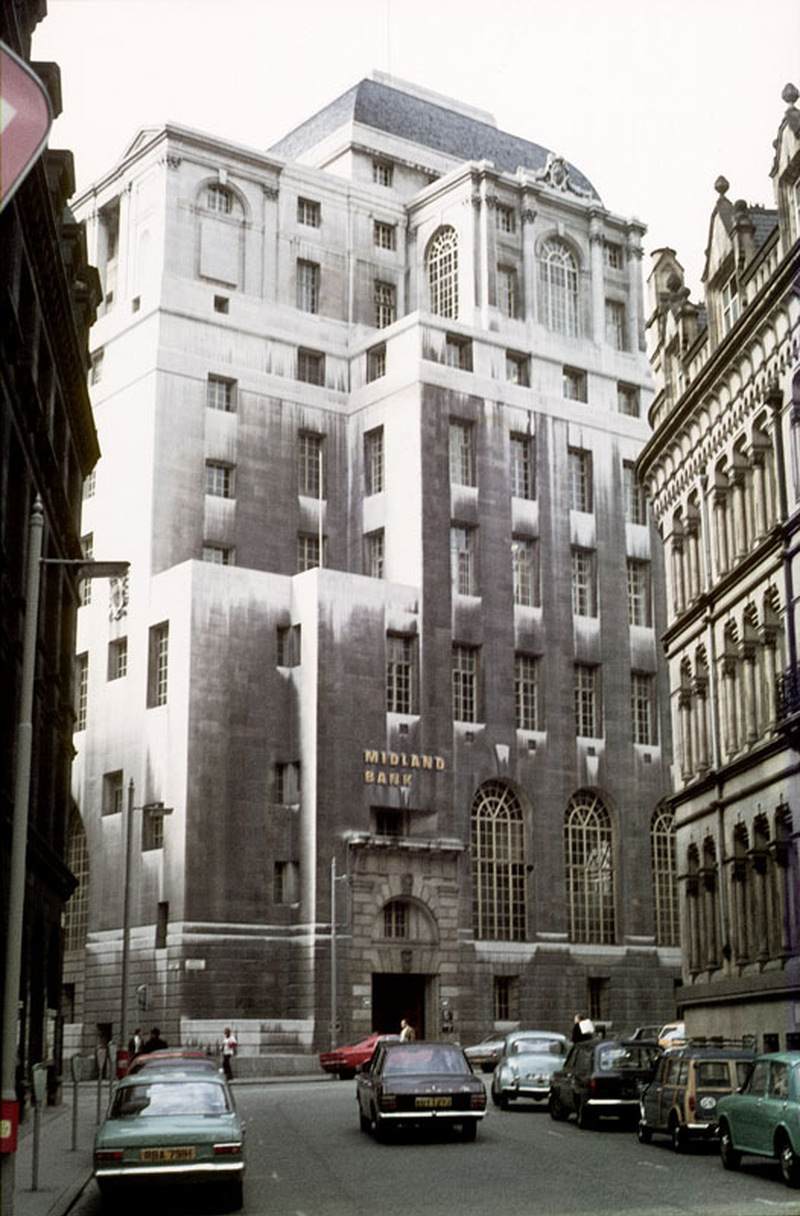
x,y
763,1117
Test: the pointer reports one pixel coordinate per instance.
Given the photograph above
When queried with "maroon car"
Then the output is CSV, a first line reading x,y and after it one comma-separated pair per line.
x,y
174,1057
345,1060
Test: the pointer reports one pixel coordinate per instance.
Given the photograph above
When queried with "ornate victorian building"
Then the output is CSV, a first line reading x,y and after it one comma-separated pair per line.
x,y
370,406
723,473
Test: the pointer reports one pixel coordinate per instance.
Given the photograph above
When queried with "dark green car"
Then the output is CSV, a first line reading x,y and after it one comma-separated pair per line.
x,y
170,1128
763,1118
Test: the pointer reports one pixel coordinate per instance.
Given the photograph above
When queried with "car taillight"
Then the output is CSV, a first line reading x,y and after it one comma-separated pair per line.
x,y
108,1154
692,1103
388,1102
233,1149
477,1101
592,1086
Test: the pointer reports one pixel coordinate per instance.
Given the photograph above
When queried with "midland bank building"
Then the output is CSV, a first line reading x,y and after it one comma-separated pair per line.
x,y
388,654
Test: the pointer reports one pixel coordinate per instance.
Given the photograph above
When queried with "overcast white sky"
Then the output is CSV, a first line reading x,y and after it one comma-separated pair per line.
x,y
651,99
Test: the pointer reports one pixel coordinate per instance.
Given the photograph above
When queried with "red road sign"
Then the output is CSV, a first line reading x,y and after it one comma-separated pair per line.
x,y
25,120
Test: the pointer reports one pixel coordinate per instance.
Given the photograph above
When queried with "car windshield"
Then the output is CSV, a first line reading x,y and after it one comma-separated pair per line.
x,y
618,1058
411,1062
152,1098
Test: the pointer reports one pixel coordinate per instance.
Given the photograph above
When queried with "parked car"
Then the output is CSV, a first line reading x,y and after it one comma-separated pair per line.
x,y
174,1057
526,1067
602,1077
672,1034
347,1060
650,1033
484,1055
764,1116
172,1127
681,1100
418,1083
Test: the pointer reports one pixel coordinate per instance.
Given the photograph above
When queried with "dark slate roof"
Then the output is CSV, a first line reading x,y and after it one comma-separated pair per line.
x,y
378,105
764,224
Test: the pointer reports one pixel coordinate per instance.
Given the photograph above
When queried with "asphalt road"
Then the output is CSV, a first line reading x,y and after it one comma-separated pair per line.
x,y
306,1156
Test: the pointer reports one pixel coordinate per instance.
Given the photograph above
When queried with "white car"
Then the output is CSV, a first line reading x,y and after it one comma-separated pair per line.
x,y
527,1065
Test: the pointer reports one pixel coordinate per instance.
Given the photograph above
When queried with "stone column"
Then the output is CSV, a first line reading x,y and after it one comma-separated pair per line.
x,y
598,281
528,220
634,256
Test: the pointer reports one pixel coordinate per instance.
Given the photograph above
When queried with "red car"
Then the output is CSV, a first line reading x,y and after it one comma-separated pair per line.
x,y
345,1060
174,1057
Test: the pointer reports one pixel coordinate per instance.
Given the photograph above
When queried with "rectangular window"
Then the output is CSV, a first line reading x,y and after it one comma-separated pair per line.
x,y
616,335
309,212
524,572
517,368
374,566
506,1001
222,304
574,384
81,690
218,555
387,822
90,485
462,454
639,593
506,218
382,173
580,480
383,235
507,290
634,503
307,286
400,674
162,924
287,882
288,646
462,560
628,400
642,708
221,394
219,479
219,199
458,353
113,793
152,829
465,684
526,691
395,919
310,366
118,659
307,552
373,461
286,786
96,366
157,670
584,593
376,363
730,305
310,465
587,704
385,304
87,549
521,466
613,255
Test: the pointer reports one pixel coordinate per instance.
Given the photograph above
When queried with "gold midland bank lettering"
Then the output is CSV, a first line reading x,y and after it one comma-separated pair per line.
x,y
391,760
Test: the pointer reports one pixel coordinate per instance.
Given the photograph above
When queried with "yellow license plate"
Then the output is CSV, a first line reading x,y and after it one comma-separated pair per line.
x,y
157,1155
434,1103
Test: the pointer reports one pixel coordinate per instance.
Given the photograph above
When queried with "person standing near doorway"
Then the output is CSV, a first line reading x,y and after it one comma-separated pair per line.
x,y
406,1032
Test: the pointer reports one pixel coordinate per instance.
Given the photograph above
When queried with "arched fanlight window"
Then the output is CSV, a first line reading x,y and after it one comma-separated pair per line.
x,y
498,864
558,288
442,263
665,878
589,870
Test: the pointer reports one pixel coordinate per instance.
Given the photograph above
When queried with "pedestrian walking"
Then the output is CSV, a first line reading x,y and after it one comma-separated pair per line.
x,y
229,1049
135,1042
155,1042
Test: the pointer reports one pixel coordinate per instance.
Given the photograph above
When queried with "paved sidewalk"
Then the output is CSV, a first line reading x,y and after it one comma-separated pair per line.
x,y
63,1172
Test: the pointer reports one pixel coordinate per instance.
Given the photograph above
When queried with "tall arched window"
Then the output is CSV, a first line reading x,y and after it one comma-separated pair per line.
x,y
558,288
589,870
498,864
665,878
76,916
443,273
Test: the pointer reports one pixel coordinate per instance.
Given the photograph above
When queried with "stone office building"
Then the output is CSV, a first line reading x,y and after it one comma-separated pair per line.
x,y
723,469
370,405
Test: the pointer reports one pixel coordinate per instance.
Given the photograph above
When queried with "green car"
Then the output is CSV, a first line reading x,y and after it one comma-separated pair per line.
x,y
763,1117
167,1128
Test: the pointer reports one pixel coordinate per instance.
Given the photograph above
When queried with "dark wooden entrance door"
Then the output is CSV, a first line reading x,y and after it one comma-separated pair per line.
x,y
395,997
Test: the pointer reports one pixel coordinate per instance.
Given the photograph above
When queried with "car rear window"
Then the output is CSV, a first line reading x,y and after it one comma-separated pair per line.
x,y
613,1059
713,1073
537,1047
408,1062
153,1099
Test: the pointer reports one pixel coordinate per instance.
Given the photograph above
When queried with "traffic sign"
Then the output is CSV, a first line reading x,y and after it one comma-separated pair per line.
x,y
25,120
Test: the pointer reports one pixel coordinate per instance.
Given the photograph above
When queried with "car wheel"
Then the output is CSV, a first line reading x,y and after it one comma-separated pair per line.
x,y
585,1116
381,1129
346,1074
495,1096
790,1162
505,1100
469,1129
729,1156
643,1132
678,1137
235,1195
556,1108
364,1123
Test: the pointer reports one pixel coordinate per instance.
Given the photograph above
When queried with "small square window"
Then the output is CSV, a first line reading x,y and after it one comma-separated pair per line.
x,y
376,363
289,641
574,384
382,172
458,352
221,304
613,255
113,793
384,235
628,400
506,218
221,394
517,368
307,552
311,366
218,555
309,212
219,479
136,303
219,199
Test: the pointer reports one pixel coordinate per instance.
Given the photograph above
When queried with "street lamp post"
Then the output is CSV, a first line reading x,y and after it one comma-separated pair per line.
x,y
19,830
149,808
334,977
